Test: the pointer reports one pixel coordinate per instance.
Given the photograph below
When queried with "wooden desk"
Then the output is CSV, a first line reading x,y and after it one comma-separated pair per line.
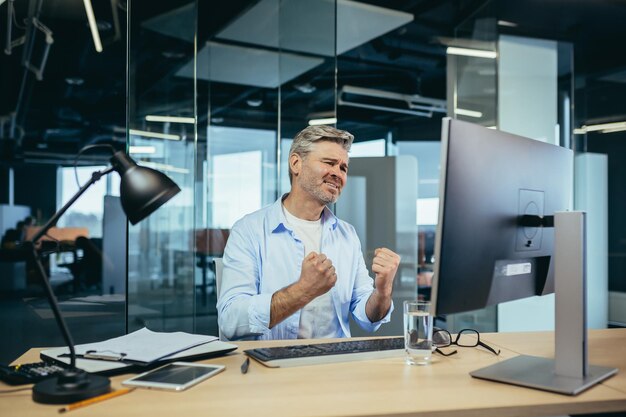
x,y
385,387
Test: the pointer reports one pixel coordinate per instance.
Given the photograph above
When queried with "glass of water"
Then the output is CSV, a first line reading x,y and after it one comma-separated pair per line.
x,y
418,332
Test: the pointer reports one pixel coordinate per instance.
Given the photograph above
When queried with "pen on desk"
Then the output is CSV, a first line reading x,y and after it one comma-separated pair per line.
x,y
94,400
245,365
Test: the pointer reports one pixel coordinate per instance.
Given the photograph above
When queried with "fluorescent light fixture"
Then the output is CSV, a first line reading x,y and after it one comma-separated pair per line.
x,y
468,113
93,26
141,149
601,127
507,23
492,127
605,126
613,130
156,135
325,121
164,167
478,53
170,119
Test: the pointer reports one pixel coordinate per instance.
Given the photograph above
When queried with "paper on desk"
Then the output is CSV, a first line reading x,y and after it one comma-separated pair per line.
x,y
145,345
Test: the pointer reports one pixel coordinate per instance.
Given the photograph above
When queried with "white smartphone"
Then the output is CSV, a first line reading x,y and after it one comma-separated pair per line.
x,y
175,376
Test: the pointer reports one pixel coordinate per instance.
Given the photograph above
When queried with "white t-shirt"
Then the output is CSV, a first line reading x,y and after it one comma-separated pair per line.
x,y
317,316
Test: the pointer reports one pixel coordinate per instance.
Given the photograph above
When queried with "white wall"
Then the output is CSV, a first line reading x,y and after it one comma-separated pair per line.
x,y
591,195
527,106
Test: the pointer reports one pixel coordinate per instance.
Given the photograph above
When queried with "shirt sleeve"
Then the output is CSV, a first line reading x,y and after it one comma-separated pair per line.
x,y
242,311
363,288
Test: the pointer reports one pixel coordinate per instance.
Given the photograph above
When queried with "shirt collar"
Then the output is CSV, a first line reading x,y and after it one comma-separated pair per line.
x,y
278,222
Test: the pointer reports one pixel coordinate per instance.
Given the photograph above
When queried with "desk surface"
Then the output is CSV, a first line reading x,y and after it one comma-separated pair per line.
x,y
385,387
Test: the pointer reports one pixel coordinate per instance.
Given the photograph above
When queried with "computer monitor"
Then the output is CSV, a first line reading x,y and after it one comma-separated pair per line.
x,y
484,255
505,233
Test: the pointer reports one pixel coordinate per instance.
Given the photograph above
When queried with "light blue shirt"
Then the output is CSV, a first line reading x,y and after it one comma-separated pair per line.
x,y
263,256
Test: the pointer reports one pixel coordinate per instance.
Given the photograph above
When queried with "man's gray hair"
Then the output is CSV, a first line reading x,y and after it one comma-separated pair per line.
x,y
303,142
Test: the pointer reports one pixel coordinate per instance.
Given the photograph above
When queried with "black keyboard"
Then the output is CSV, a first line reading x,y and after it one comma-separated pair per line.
x,y
313,354
29,373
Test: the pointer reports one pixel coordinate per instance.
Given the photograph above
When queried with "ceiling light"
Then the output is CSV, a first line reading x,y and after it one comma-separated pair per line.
x,y
325,121
170,119
468,113
605,126
507,23
478,53
305,88
613,130
141,149
93,25
254,102
156,135
601,127
380,100
74,81
164,167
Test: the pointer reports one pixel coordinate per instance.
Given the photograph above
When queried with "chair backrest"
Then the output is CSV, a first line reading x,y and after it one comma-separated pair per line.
x,y
212,241
219,266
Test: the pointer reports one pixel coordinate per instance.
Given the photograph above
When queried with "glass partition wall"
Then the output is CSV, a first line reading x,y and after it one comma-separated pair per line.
x,y
215,96
490,84
161,123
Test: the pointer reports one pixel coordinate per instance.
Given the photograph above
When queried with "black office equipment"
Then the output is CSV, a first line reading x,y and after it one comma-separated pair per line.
x,y
142,191
489,180
505,233
29,373
314,354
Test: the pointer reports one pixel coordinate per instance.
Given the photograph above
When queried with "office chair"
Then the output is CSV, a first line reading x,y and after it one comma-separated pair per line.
x,y
210,243
89,273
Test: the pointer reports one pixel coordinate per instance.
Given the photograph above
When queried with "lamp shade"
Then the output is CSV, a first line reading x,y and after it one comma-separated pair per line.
x,y
142,190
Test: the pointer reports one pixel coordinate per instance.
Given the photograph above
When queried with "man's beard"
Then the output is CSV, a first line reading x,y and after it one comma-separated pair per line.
x,y
317,191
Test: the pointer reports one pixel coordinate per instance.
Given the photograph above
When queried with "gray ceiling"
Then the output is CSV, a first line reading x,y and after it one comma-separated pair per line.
x,y
81,98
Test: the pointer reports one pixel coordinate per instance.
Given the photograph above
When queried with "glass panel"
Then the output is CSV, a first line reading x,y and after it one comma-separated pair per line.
x,y
238,98
307,71
502,93
161,120
58,95
379,99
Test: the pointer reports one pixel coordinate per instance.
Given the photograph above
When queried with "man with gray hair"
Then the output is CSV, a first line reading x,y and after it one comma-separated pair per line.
x,y
293,269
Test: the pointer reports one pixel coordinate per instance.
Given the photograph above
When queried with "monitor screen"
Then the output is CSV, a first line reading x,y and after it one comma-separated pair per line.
x,y
484,253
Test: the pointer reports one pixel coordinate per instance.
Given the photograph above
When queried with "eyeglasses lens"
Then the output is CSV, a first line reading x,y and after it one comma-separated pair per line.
x,y
441,338
467,338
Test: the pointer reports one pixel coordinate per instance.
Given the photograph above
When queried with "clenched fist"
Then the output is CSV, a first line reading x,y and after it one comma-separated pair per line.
x,y
317,276
385,265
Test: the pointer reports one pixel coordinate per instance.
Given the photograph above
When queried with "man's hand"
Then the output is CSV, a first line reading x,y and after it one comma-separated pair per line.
x,y
385,265
317,277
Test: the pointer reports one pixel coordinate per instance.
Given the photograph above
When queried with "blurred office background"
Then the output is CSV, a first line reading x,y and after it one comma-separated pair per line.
x,y
212,93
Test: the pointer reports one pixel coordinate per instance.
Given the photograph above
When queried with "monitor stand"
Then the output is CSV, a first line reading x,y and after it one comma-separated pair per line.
x,y
568,373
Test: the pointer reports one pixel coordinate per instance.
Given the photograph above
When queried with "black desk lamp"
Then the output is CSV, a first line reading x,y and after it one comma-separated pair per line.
x,y
142,191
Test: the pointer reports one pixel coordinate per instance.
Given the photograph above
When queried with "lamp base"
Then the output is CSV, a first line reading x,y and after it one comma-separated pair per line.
x,y
70,386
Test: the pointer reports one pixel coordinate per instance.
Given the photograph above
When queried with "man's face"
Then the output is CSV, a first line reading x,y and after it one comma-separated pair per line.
x,y
323,172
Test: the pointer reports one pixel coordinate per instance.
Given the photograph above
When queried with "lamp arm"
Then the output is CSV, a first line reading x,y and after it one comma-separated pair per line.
x,y
54,304
53,220
40,269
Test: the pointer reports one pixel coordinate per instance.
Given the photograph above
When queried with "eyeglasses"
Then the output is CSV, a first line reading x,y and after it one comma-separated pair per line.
x,y
465,338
